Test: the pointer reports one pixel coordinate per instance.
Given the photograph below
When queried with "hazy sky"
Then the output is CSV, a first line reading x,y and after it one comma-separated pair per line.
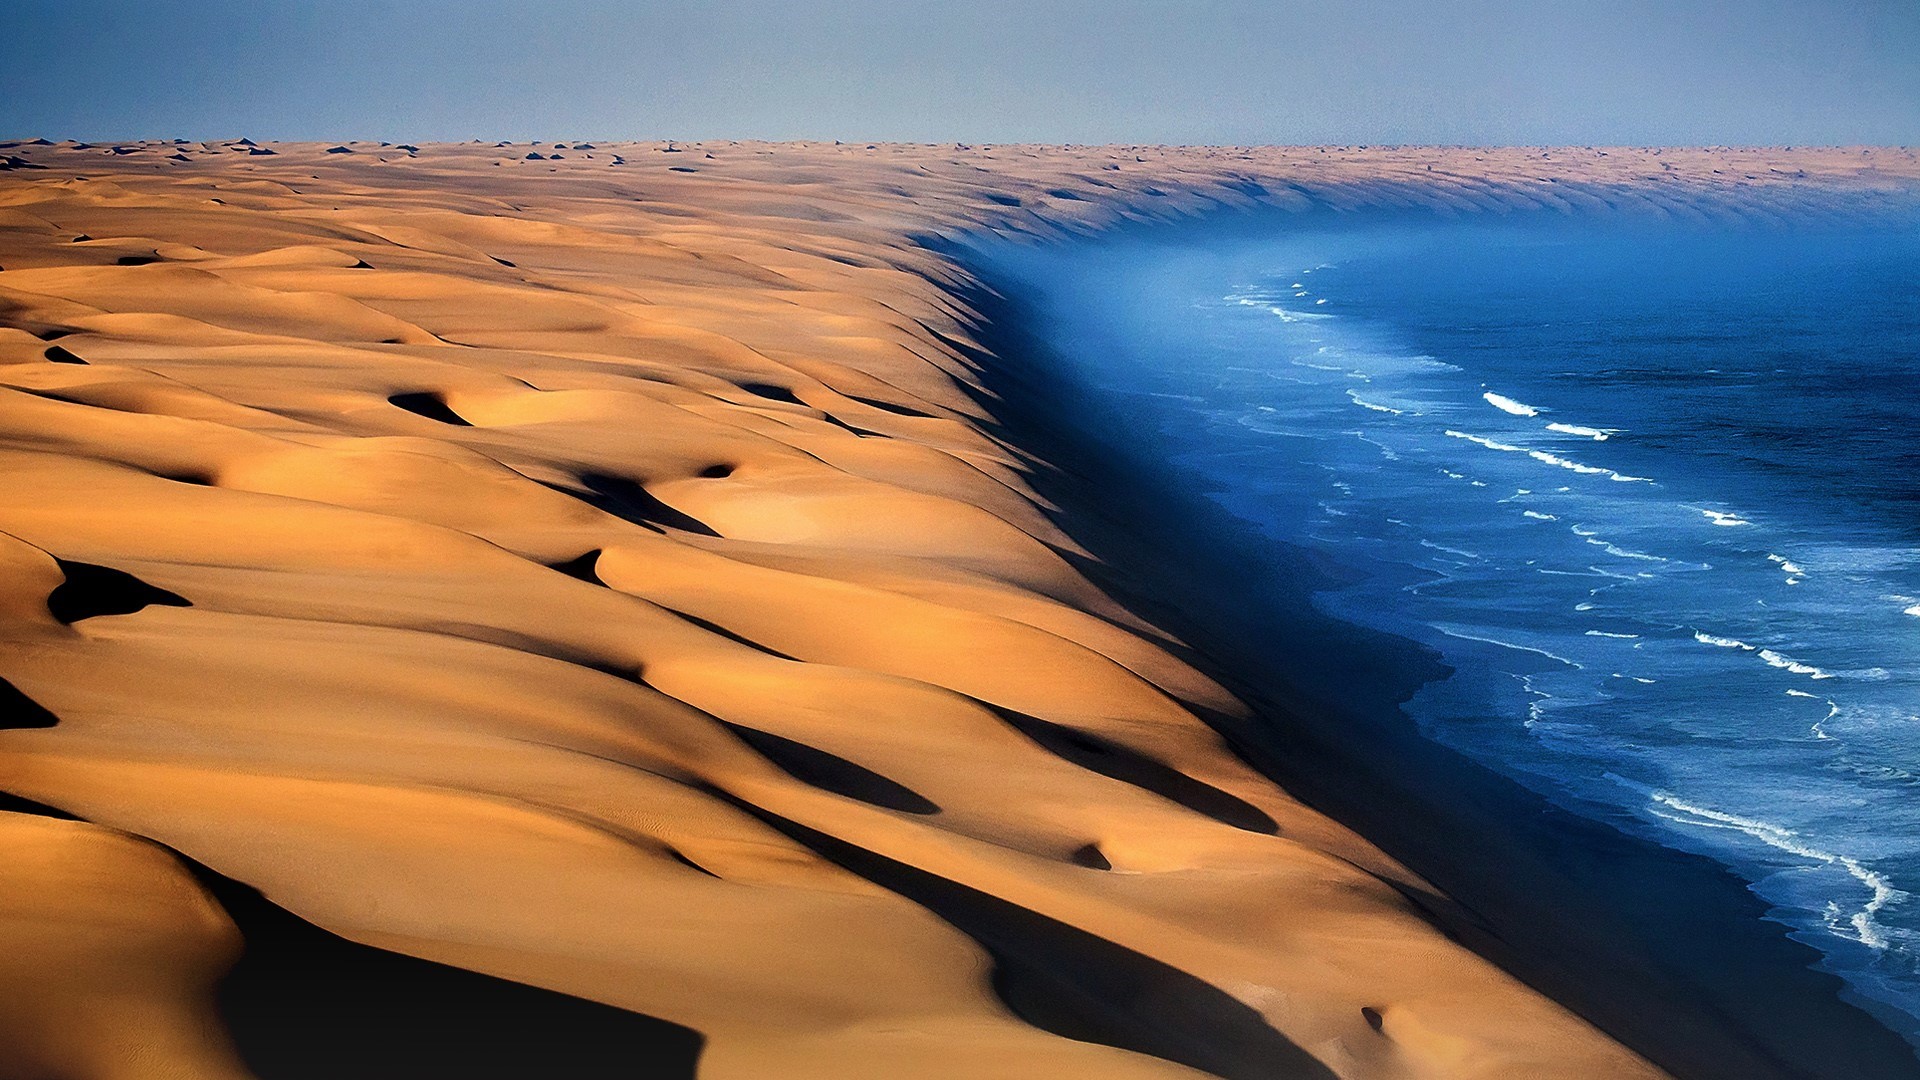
x,y
1203,71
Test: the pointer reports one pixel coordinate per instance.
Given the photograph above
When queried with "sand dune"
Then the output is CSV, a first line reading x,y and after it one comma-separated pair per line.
x,y
559,579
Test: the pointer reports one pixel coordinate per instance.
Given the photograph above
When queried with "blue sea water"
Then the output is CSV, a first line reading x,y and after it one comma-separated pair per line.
x,y
1652,491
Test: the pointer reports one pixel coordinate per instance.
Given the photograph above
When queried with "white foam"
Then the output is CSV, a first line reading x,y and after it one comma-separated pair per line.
x,y
1914,610
1719,517
1288,316
1722,642
1538,516
1603,633
1585,470
1881,891
1385,450
1357,400
1490,444
1508,405
1322,300
1464,636
1547,459
1596,434
1788,663
1818,727
1623,553
1450,550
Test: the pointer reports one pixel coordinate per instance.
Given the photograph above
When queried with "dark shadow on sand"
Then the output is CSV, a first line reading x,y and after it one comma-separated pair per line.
x,y
1077,985
91,591
831,772
1117,762
306,1004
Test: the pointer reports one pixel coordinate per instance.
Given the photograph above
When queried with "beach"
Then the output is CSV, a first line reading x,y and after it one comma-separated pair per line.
x,y
647,607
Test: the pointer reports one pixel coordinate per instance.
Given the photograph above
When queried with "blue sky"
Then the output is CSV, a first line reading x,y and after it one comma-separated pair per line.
x,y
1201,71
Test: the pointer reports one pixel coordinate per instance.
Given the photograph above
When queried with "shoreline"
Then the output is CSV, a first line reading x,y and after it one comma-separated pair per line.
x,y
619,573
1669,952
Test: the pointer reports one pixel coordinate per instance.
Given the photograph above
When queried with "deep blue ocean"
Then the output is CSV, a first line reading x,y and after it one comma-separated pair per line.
x,y
1652,491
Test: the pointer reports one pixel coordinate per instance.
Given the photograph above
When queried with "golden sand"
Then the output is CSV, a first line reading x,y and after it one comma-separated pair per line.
x,y
595,571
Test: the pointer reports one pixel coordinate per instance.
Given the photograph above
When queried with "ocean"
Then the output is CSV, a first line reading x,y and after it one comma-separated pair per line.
x,y
1650,490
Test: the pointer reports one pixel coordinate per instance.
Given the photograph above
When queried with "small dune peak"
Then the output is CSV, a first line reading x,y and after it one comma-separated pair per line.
x,y
1091,857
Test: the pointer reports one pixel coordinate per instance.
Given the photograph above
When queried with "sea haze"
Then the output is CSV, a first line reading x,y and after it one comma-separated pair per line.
x,y
1651,490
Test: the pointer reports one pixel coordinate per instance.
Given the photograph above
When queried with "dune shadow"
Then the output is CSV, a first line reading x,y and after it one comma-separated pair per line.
x,y
432,406
91,591
831,772
888,406
625,499
18,711
1117,762
771,392
303,1003
1078,985
712,627
581,568
14,804
306,1004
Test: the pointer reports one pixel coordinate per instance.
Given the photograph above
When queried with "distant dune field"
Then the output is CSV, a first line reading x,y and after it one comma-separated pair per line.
x,y
567,610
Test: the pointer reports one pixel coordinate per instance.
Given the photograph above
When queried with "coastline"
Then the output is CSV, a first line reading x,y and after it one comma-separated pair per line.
x,y
1667,951
502,533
